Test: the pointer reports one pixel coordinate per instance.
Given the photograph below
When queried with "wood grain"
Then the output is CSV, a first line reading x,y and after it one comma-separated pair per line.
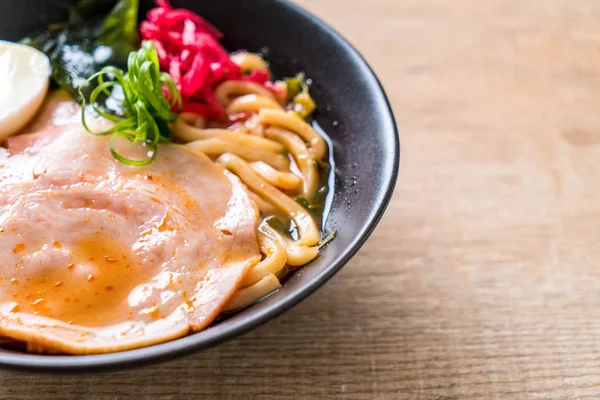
x,y
483,279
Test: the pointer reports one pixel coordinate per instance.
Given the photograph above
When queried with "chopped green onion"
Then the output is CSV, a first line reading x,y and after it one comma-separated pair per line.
x,y
304,105
277,224
313,208
327,240
320,195
294,85
303,202
146,112
297,93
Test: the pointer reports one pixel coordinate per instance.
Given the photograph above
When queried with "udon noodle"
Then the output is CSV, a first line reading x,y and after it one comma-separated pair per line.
x,y
278,156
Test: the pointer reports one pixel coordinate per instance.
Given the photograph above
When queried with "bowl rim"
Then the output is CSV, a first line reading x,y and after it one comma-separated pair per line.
x,y
193,343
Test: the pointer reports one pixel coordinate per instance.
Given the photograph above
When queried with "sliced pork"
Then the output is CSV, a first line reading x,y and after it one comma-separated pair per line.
x,y
97,256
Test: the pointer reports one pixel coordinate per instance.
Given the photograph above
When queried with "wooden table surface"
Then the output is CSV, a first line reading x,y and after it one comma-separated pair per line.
x,y
482,280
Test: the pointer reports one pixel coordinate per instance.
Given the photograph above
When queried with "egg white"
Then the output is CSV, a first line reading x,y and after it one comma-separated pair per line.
x,y
24,81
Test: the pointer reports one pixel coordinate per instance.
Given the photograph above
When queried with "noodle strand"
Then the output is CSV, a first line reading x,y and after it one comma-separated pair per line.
x,y
290,121
275,259
275,153
228,89
309,233
217,146
305,161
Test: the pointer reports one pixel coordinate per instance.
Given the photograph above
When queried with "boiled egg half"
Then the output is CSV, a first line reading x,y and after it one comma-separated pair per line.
x,y
24,79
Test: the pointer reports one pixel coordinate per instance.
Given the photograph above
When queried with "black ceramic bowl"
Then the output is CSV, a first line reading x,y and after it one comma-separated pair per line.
x,y
353,110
